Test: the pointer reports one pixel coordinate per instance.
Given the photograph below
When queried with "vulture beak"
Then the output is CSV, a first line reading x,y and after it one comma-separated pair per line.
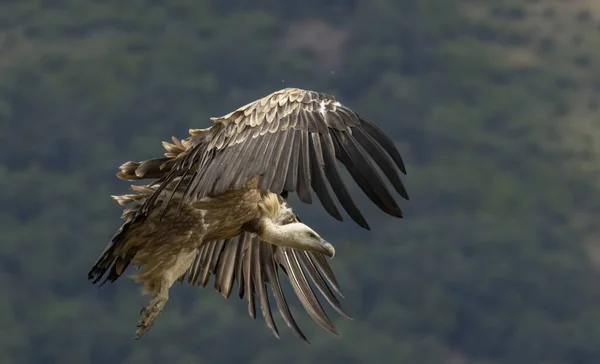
x,y
327,249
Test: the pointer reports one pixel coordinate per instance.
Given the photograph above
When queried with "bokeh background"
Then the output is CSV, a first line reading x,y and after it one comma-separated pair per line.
x,y
494,105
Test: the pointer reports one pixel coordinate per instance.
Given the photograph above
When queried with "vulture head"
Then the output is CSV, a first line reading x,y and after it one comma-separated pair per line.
x,y
297,236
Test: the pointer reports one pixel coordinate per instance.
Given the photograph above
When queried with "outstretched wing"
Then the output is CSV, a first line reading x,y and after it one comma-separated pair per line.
x,y
254,265
291,140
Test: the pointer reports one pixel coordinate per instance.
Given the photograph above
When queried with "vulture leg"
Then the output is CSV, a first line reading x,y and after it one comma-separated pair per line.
x,y
159,284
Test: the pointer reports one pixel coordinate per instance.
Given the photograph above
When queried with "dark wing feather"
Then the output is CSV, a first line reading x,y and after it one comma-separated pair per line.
x,y
318,180
304,291
339,187
253,264
290,139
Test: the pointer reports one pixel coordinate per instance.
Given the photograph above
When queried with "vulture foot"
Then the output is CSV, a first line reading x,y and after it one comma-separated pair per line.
x,y
149,314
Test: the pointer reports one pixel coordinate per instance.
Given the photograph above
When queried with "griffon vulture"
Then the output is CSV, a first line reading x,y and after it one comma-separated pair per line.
x,y
217,204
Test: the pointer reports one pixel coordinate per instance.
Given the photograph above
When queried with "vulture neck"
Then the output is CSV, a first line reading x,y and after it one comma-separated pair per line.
x,y
275,234
271,228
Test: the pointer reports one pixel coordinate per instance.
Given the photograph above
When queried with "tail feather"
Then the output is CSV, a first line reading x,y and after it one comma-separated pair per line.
x,y
112,258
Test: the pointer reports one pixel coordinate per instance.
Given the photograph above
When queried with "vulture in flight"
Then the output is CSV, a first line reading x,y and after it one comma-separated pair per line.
x,y
215,204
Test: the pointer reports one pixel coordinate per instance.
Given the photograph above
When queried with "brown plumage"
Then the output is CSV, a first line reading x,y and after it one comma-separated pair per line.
x,y
217,203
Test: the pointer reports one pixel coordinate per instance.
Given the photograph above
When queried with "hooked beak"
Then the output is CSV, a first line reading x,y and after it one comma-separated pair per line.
x,y
327,249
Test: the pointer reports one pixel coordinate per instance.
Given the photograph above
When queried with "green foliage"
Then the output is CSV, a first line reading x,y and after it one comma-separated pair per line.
x,y
484,101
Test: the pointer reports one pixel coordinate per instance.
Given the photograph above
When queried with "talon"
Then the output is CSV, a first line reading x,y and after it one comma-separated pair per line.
x,y
142,329
149,315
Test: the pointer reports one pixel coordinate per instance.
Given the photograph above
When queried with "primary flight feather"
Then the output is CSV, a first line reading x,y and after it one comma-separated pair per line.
x,y
217,203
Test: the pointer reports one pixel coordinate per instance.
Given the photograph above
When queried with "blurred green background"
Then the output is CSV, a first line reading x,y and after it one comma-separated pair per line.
x,y
494,105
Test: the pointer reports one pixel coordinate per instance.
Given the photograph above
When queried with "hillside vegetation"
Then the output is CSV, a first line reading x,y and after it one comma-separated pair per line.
x,y
494,106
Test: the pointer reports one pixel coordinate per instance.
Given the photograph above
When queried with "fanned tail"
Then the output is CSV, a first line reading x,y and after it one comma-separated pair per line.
x,y
113,257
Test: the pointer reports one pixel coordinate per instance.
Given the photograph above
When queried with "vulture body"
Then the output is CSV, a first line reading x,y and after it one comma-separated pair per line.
x,y
217,205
